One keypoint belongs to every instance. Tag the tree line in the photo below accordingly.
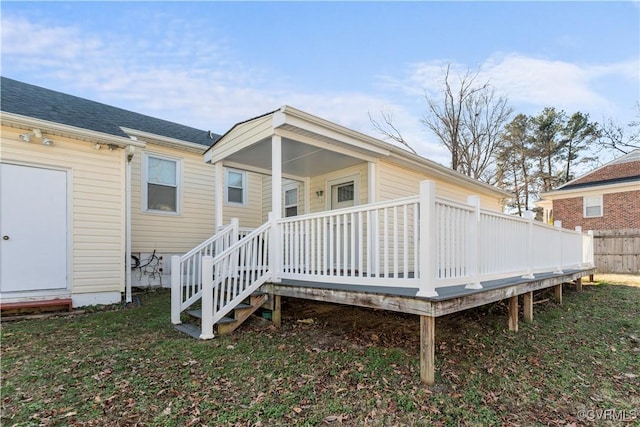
(522, 154)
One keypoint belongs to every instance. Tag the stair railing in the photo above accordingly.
(233, 275)
(186, 270)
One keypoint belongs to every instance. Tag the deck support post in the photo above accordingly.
(276, 313)
(528, 306)
(579, 284)
(427, 349)
(557, 293)
(513, 313)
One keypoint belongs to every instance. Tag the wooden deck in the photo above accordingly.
(450, 299)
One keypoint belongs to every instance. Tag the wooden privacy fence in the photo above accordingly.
(617, 251)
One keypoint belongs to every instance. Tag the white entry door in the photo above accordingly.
(33, 229)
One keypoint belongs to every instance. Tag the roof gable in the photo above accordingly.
(623, 169)
(45, 104)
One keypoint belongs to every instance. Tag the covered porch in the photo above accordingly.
(419, 252)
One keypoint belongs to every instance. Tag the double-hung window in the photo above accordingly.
(236, 191)
(592, 206)
(291, 202)
(161, 192)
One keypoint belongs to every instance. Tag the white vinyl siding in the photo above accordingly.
(249, 214)
(592, 206)
(97, 205)
(195, 222)
(395, 182)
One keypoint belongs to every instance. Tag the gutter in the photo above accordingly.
(165, 141)
(68, 131)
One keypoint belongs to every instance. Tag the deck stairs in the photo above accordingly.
(217, 284)
(228, 323)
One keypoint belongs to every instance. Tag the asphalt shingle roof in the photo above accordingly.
(45, 104)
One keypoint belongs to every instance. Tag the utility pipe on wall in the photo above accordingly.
(130, 150)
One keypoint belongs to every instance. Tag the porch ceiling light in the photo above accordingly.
(46, 141)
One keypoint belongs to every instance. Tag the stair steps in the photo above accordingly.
(226, 325)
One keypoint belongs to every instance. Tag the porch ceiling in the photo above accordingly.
(298, 158)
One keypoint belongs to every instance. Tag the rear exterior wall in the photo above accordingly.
(620, 211)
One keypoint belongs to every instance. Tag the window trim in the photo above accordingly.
(145, 184)
(585, 206)
(243, 188)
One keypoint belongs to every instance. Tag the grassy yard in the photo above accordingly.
(330, 365)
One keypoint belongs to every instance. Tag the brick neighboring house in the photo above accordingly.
(607, 201)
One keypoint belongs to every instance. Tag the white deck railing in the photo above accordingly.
(370, 244)
(422, 242)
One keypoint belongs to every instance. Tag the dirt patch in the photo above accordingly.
(622, 279)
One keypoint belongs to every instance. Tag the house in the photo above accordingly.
(94, 198)
(342, 217)
(70, 167)
(604, 200)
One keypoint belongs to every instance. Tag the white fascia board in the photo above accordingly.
(619, 187)
(165, 141)
(293, 117)
(54, 128)
(238, 140)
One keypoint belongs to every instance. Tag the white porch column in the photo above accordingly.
(307, 195)
(276, 206)
(372, 183)
(219, 194)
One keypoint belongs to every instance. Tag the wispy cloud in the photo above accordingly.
(171, 71)
(529, 82)
(179, 77)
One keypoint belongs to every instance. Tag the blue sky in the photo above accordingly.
(212, 64)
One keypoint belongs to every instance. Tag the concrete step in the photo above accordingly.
(189, 329)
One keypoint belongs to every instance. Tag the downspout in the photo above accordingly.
(130, 152)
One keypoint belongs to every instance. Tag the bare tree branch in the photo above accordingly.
(389, 130)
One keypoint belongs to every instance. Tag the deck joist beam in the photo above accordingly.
(386, 299)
